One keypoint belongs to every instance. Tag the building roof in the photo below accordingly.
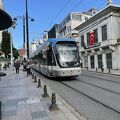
(5, 20)
(98, 15)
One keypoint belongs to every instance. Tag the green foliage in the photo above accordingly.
(15, 53)
(5, 44)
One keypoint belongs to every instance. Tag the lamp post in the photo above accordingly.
(27, 36)
(23, 31)
(11, 47)
(27, 33)
(23, 19)
(11, 41)
(27, 29)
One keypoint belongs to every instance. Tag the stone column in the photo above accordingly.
(118, 57)
(89, 65)
(104, 61)
(115, 60)
(96, 61)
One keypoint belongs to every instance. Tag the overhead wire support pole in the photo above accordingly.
(27, 33)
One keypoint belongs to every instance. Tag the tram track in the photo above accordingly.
(90, 97)
(101, 78)
(100, 87)
(102, 109)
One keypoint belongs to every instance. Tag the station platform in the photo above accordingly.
(22, 100)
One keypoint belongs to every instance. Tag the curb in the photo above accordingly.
(103, 72)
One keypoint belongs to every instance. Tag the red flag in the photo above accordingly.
(92, 37)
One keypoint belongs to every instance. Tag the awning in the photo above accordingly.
(5, 20)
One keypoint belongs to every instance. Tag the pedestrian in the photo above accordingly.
(5, 66)
(28, 68)
(24, 65)
(17, 66)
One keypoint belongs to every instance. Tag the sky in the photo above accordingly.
(46, 13)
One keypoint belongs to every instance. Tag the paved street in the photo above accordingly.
(95, 95)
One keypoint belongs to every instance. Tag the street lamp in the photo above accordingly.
(23, 19)
(11, 41)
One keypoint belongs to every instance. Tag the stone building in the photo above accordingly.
(100, 39)
(67, 25)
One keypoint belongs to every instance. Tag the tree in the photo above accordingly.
(15, 53)
(5, 44)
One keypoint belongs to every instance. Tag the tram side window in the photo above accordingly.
(50, 57)
(44, 58)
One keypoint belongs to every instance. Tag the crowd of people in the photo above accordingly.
(16, 66)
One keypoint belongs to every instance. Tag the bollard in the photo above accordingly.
(35, 79)
(45, 91)
(102, 69)
(96, 69)
(39, 83)
(32, 75)
(109, 70)
(0, 110)
(87, 68)
(53, 103)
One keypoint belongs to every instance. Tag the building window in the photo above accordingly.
(88, 38)
(95, 35)
(69, 29)
(104, 32)
(82, 40)
(109, 60)
(76, 17)
(100, 61)
(92, 61)
(86, 18)
(68, 18)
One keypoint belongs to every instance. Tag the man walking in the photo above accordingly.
(17, 66)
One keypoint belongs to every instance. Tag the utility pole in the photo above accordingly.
(27, 33)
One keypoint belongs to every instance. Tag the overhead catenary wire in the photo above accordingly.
(60, 11)
(76, 5)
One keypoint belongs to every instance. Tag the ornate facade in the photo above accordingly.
(102, 49)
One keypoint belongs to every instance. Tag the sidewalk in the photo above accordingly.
(22, 100)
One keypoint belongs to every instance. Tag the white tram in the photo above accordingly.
(57, 57)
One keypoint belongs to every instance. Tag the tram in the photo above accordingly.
(57, 57)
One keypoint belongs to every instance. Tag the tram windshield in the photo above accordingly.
(68, 55)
